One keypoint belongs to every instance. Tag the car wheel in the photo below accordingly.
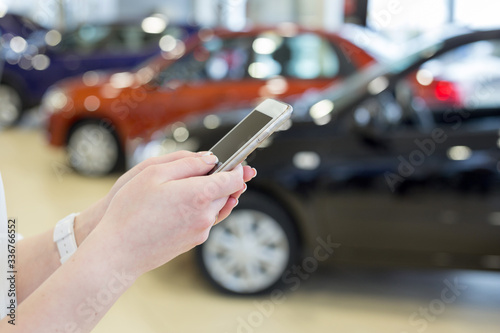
(249, 251)
(93, 149)
(11, 106)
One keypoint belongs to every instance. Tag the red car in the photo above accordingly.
(467, 76)
(96, 114)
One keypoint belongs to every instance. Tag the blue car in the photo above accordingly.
(18, 25)
(35, 58)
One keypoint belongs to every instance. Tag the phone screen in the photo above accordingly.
(239, 135)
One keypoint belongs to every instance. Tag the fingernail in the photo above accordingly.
(255, 172)
(237, 202)
(210, 158)
(244, 188)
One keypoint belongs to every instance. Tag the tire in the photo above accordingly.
(248, 253)
(93, 149)
(11, 106)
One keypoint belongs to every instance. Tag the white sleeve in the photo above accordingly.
(5, 300)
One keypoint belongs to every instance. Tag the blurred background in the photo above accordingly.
(377, 208)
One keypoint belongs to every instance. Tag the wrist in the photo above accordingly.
(87, 220)
(118, 255)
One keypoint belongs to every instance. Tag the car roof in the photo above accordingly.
(285, 29)
(356, 86)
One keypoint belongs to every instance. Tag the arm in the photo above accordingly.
(78, 294)
(162, 212)
(39, 257)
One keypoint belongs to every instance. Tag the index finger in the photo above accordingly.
(172, 157)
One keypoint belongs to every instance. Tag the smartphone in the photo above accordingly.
(249, 133)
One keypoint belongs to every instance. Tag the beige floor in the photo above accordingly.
(40, 189)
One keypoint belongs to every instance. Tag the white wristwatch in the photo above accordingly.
(64, 237)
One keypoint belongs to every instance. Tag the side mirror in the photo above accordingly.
(155, 82)
(370, 122)
(169, 85)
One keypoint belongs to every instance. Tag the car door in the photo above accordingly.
(400, 185)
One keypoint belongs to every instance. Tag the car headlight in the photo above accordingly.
(55, 100)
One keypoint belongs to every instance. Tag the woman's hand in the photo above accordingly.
(89, 218)
(166, 209)
(156, 211)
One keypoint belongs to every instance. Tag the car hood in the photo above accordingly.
(77, 82)
(95, 80)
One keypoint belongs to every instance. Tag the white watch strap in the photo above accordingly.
(64, 237)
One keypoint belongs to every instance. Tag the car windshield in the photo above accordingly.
(381, 48)
(179, 33)
(417, 49)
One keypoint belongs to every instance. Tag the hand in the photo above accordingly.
(167, 209)
(89, 218)
(157, 210)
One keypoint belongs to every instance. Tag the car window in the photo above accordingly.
(467, 77)
(228, 59)
(191, 67)
(304, 56)
(311, 57)
(85, 40)
(214, 60)
(111, 39)
(132, 39)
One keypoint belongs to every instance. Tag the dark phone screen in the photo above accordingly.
(239, 135)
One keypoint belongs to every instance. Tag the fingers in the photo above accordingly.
(216, 194)
(215, 186)
(150, 162)
(227, 209)
(223, 184)
(207, 193)
(228, 203)
(249, 173)
(191, 166)
(163, 159)
(185, 164)
(215, 208)
(232, 201)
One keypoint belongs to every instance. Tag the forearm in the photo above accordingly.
(38, 255)
(78, 294)
(38, 258)
(75, 296)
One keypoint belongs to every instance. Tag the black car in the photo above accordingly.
(368, 172)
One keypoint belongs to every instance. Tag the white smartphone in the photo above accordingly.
(249, 133)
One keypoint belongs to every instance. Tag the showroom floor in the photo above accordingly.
(40, 189)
